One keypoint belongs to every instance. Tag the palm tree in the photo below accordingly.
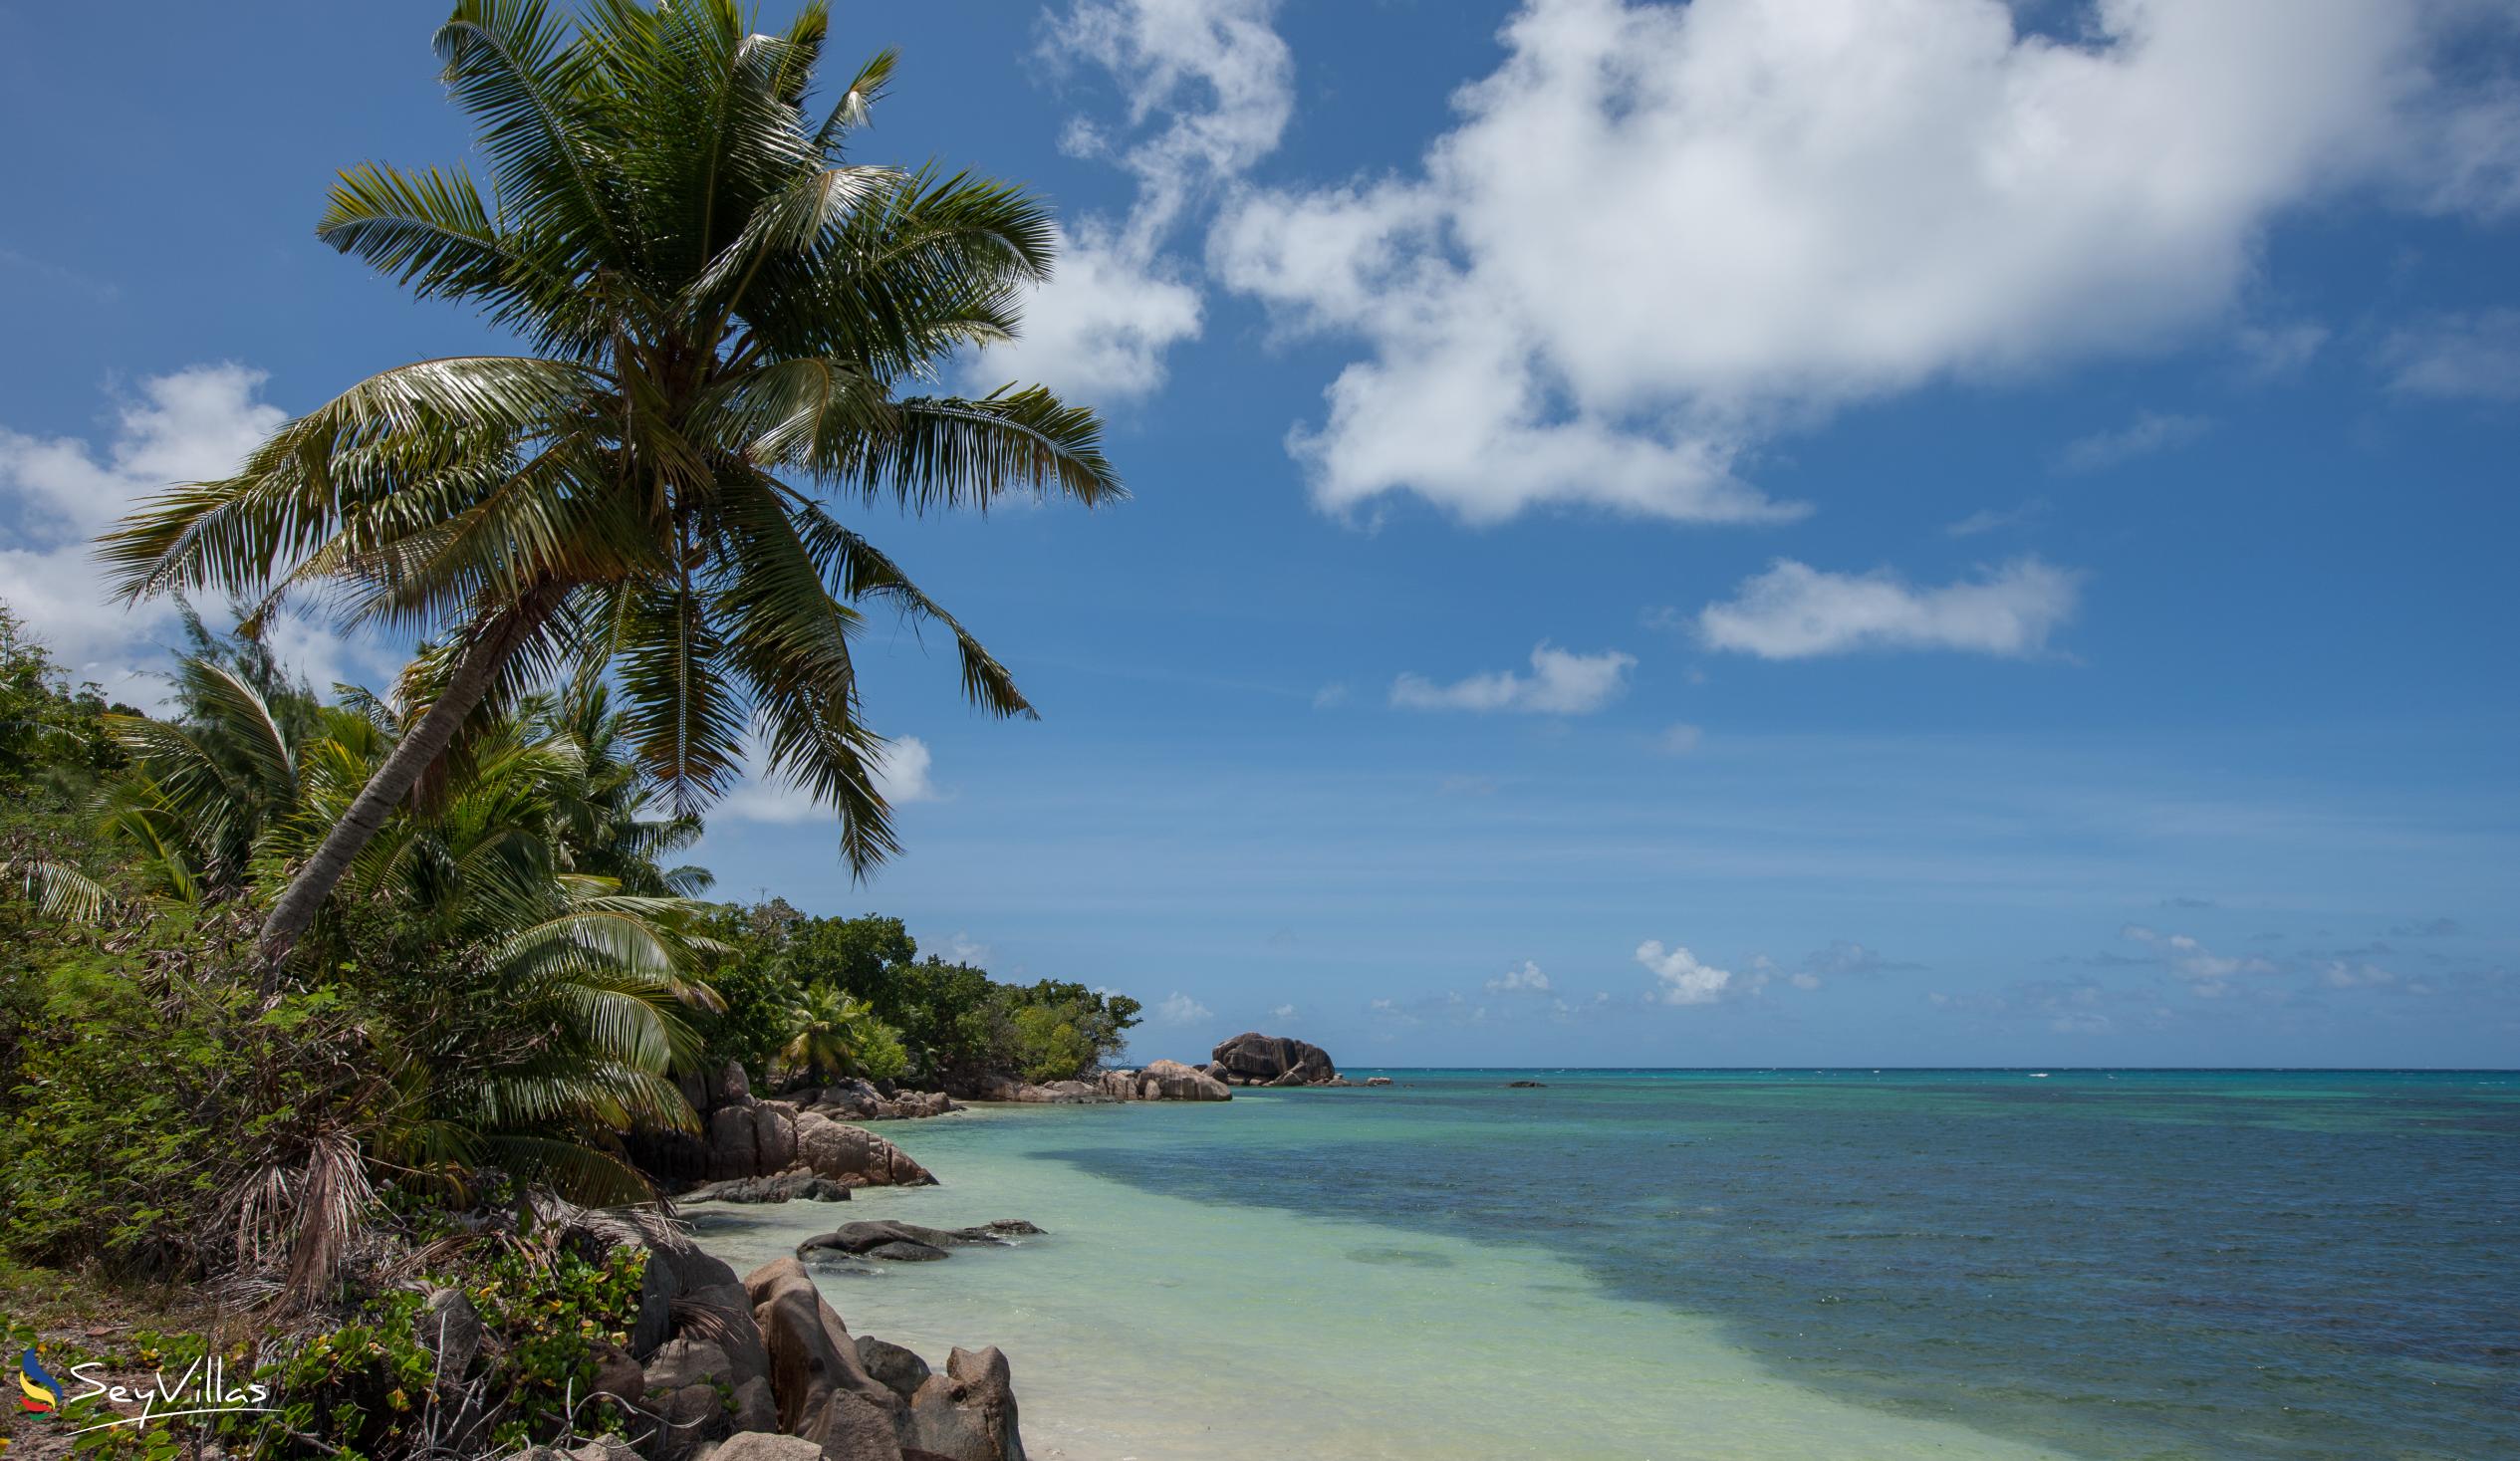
(505, 1004)
(828, 1031)
(725, 316)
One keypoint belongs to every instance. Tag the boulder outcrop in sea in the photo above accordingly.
(1253, 1059)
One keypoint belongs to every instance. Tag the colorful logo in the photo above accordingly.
(42, 1393)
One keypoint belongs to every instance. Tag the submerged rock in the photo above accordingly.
(1526, 1085)
(903, 1242)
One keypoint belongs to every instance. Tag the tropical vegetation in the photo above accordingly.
(310, 995)
(727, 323)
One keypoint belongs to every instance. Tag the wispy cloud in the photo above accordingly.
(2454, 356)
(1989, 519)
(2148, 435)
(1181, 1009)
(1209, 88)
(1794, 612)
(1561, 682)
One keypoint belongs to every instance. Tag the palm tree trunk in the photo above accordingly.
(492, 640)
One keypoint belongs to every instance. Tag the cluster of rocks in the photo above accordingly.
(1246, 1060)
(757, 1369)
(743, 1138)
(896, 1242)
(869, 1101)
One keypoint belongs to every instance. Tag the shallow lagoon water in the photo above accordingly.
(1737, 1265)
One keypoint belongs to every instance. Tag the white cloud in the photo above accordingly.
(1100, 328)
(2342, 975)
(1209, 88)
(1526, 980)
(1989, 518)
(1793, 611)
(1661, 235)
(2207, 972)
(2150, 432)
(1561, 682)
(963, 949)
(1181, 1009)
(193, 424)
(1679, 739)
(2457, 357)
(2272, 351)
(1282, 1012)
(1681, 979)
(903, 775)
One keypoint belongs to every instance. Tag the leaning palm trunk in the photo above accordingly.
(727, 315)
(485, 652)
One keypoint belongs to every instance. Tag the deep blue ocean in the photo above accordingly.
(2113, 1264)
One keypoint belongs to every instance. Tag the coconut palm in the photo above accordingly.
(726, 318)
(495, 1002)
(830, 1031)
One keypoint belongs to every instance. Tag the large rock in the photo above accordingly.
(854, 1154)
(1173, 1081)
(812, 1356)
(968, 1412)
(855, 1427)
(1270, 1060)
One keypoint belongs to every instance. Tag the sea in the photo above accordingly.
(1745, 1265)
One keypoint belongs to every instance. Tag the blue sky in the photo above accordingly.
(1735, 534)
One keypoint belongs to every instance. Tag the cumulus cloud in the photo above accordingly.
(190, 426)
(1680, 739)
(1208, 87)
(1561, 682)
(1282, 1012)
(2473, 357)
(1794, 612)
(1659, 235)
(903, 773)
(1679, 977)
(1181, 1009)
(2149, 433)
(1526, 980)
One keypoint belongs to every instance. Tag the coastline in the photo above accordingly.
(1136, 1325)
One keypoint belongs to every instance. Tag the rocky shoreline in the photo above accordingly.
(761, 1368)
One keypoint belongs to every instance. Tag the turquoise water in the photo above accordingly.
(1736, 1264)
